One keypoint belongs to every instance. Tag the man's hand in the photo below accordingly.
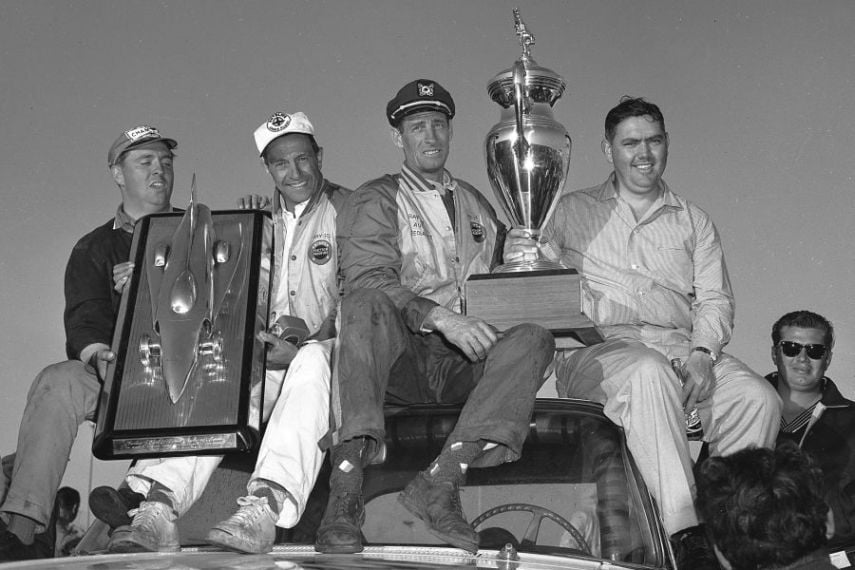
(122, 275)
(254, 202)
(99, 361)
(519, 246)
(280, 352)
(700, 380)
(472, 335)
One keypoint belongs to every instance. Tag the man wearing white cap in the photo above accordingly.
(296, 395)
(65, 394)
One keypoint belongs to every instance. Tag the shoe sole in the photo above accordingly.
(416, 509)
(339, 549)
(221, 540)
(109, 507)
(128, 547)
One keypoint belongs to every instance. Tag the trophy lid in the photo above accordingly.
(542, 84)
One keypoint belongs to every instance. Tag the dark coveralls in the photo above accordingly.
(384, 353)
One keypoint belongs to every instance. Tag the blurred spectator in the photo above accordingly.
(67, 534)
(764, 509)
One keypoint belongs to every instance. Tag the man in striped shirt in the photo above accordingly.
(655, 283)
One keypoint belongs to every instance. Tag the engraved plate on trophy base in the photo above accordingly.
(187, 358)
(550, 299)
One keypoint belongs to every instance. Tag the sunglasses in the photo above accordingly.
(791, 349)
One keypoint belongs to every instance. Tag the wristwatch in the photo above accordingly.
(706, 351)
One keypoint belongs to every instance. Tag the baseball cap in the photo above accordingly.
(419, 95)
(135, 137)
(280, 124)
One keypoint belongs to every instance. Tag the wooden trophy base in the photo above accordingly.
(551, 299)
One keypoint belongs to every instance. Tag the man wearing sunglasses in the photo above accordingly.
(815, 415)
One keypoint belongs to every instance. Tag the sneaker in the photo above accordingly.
(340, 530)
(12, 549)
(693, 551)
(152, 529)
(437, 503)
(252, 529)
(112, 505)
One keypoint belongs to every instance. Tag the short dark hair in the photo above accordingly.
(631, 107)
(764, 508)
(311, 138)
(68, 497)
(806, 320)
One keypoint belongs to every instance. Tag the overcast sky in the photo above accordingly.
(757, 97)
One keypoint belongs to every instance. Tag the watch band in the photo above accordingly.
(706, 351)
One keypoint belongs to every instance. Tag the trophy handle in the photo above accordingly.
(521, 147)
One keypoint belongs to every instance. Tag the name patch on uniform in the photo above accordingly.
(478, 233)
(417, 227)
(321, 251)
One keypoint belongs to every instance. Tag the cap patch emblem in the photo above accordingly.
(278, 121)
(425, 89)
(477, 231)
(321, 251)
(142, 132)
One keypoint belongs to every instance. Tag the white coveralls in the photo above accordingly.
(297, 401)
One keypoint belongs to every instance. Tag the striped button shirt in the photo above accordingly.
(660, 279)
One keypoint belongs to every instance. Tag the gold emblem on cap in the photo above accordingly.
(278, 121)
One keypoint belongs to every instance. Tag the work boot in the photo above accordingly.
(693, 551)
(437, 503)
(112, 505)
(340, 530)
(152, 529)
(252, 529)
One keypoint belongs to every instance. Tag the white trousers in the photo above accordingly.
(298, 410)
(641, 393)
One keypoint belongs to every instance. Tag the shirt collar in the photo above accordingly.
(279, 203)
(666, 198)
(123, 221)
(419, 184)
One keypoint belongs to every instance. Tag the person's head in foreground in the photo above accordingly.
(764, 508)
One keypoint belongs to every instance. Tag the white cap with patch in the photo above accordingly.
(280, 124)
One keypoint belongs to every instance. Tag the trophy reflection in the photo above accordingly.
(528, 158)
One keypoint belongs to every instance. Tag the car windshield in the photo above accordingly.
(574, 491)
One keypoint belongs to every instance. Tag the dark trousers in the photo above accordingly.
(381, 361)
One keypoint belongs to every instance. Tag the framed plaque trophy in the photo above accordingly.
(188, 361)
(528, 158)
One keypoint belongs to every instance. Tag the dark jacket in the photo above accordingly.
(830, 439)
(91, 303)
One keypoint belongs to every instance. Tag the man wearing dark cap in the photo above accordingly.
(63, 395)
(407, 243)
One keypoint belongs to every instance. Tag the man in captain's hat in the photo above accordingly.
(408, 241)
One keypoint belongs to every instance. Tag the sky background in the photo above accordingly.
(757, 97)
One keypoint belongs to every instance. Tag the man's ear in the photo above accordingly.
(118, 175)
(775, 355)
(320, 157)
(264, 164)
(396, 137)
(607, 150)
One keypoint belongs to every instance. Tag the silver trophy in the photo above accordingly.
(528, 156)
(528, 151)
